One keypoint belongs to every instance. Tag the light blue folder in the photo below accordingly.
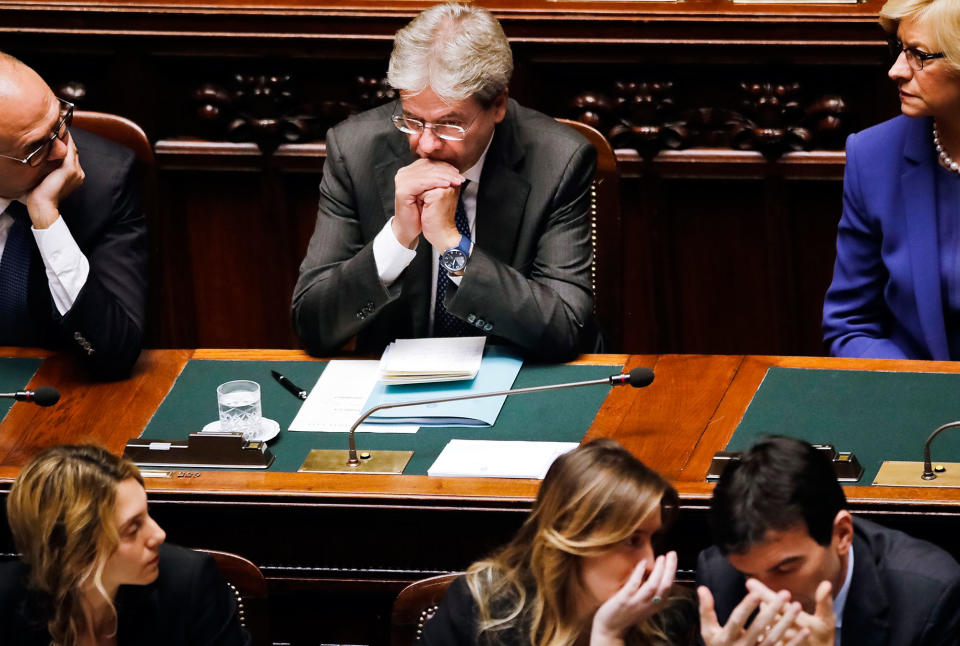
(497, 371)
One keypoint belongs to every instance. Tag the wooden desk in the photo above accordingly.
(336, 548)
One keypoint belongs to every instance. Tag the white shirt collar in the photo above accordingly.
(840, 600)
(4, 203)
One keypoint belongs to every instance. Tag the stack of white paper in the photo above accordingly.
(498, 459)
(337, 400)
(420, 361)
(498, 370)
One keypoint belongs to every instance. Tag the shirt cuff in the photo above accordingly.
(390, 256)
(67, 268)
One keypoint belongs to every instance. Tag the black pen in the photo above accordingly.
(289, 385)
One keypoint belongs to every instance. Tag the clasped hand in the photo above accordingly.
(425, 201)
(778, 621)
(634, 602)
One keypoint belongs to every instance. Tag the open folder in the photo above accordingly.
(497, 371)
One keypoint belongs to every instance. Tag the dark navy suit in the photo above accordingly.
(903, 592)
(105, 324)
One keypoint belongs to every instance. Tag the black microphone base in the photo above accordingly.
(332, 461)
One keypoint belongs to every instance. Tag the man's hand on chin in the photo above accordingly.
(410, 185)
(43, 202)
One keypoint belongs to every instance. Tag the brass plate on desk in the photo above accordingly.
(385, 462)
(907, 474)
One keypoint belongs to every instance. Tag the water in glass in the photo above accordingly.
(239, 403)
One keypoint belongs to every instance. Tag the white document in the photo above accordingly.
(338, 399)
(498, 459)
(420, 361)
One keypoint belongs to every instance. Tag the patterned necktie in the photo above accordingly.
(15, 324)
(445, 323)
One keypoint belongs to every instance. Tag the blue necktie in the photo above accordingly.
(445, 323)
(15, 326)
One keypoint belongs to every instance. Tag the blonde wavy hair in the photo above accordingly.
(941, 16)
(457, 50)
(591, 499)
(61, 511)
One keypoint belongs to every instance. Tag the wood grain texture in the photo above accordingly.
(675, 425)
(332, 577)
(695, 221)
(106, 413)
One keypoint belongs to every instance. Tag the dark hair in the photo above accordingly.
(778, 483)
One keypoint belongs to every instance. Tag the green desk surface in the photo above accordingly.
(15, 373)
(560, 416)
(877, 415)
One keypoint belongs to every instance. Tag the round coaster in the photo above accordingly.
(269, 429)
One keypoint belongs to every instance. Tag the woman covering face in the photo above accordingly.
(582, 568)
(94, 568)
(896, 284)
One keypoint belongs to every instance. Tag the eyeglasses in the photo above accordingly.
(40, 155)
(915, 57)
(447, 131)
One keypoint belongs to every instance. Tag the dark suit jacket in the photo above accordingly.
(528, 276)
(885, 299)
(903, 592)
(455, 622)
(188, 605)
(105, 324)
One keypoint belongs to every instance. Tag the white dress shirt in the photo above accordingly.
(67, 268)
(392, 257)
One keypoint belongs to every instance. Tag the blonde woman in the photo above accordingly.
(896, 284)
(582, 567)
(94, 570)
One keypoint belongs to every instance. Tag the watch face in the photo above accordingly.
(453, 260)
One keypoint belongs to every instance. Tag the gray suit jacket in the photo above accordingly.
(528, 278)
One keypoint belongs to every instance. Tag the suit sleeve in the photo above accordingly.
(214, 619)
(943, 625)
(338, 289)
(546, 309)
(856, 319)
(105, 324)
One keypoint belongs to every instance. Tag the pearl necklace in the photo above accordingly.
(945, 159)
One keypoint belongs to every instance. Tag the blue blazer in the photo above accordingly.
(885, 299)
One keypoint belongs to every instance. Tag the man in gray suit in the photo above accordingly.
(453, 211)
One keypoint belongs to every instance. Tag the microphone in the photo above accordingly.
(928, 470)
(42, 396)
(638, 378)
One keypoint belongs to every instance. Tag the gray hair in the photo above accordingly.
(457, 50)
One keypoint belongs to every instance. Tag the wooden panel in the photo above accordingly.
(332, 572)
(108, 413)
(667, 418)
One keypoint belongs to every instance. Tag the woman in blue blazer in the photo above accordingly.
(896, 284)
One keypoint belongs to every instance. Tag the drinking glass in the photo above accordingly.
(239, 403)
